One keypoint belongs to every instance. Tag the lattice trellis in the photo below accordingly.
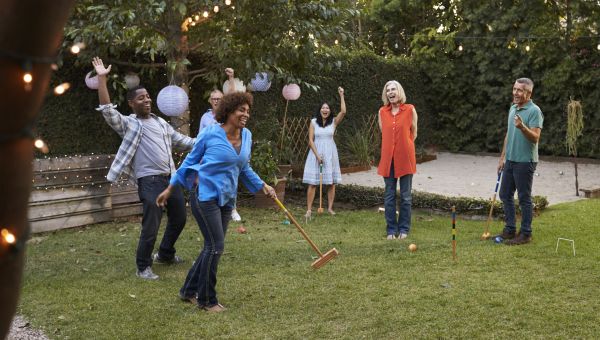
(297, 134)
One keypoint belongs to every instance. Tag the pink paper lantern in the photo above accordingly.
(91, 82)
(291, 92)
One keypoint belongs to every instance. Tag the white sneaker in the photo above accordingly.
(402, 236)
(391, 237)
(235, 216)
(147, 274)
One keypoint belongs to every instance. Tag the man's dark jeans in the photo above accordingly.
(202, 277)
(149, 188)
(517, 176)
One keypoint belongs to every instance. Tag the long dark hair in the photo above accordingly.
(320, 118)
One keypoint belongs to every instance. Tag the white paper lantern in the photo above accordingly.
(172, 101)
(132, 80)
(291, 92)
(260, 82)
(91, 82)
(239, 86)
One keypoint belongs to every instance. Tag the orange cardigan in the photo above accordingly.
(397, 142)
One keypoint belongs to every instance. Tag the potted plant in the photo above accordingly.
(265, 165)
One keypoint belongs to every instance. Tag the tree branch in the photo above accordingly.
(132, 64)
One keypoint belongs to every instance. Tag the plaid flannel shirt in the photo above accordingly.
(130, 129)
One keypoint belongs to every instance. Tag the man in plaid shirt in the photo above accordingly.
(146, 153)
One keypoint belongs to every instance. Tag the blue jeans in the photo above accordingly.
(149, 187)
(400, 224)
(517, 176)
(202, 277)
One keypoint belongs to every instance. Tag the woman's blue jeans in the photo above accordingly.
(397, 224)
(202, 277)
(517, 176)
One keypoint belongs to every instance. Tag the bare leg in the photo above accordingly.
(331, 198)
(310, 197)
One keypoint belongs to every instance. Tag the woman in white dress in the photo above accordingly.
(323, 150)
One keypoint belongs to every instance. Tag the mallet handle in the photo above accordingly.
(289, 215)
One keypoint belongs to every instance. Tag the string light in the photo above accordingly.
(598, 47)
(336, 41)
(460, 48)
(8, 236)
(527, 48)
(62, 88)
(27, 77)
(77, 47)
(227, 2)
(205, 14)
(41, 145)
(216, 9)
(197, 17)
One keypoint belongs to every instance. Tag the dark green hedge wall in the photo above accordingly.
(71, 125)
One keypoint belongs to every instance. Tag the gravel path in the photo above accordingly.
(475, 176)
(21, 330)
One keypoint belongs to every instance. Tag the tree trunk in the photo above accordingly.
(179, 75)
(27, 29)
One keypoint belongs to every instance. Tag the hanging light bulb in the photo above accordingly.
(598, 47)
(8, 236)
(27, 77)
(216, 9)
(527, 48)
(336, 41)
(227, 2)
(197, 17)
(41, 145)
(62, 88)
(205, 14)
(460, 48)
(77, 47)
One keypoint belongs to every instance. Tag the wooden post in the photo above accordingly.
(30, 34)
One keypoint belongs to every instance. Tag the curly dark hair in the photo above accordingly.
(230, 102)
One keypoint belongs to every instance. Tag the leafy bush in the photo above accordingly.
(263, 162)
(357, 147)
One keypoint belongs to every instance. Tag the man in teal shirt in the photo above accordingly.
(518, 161)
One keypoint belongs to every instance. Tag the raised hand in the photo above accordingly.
(341, 91)
(99, 67)
(229, 72)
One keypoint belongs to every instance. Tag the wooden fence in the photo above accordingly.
(73, 191)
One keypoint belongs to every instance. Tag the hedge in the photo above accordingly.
(362, 197)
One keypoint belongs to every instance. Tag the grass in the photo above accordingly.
(80, 283)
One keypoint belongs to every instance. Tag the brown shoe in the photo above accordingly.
(505, 235)
(520, 239)
(191, 299)
(218, 308)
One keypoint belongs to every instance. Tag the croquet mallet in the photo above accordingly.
(320, 210)
(486, 234)
(323, 258)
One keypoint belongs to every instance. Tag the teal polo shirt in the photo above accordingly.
(518, 147)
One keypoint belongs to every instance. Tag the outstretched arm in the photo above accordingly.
(103, 96)
(231, 78)
(340, 116)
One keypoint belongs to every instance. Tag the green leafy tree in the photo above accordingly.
(188, 39)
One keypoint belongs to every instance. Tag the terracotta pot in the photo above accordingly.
(263, 201)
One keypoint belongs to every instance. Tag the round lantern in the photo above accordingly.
(291, 92)
(132, 80)
(260, 82)
(239, 86)
(91, 82)
(172, 101)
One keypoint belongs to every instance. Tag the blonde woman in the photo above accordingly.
(398, 125)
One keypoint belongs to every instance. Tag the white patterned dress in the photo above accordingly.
(329, 154)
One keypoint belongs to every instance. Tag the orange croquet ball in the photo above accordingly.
(412, 247)
(241, 229)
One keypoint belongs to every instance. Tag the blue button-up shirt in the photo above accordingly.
(218, 166)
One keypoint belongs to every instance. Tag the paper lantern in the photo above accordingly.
(239, 86)
(91, 82)
(291, 92)
(132, 80)
(260, 82)
(172, 101)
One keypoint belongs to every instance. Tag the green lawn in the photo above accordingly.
(80, 283)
